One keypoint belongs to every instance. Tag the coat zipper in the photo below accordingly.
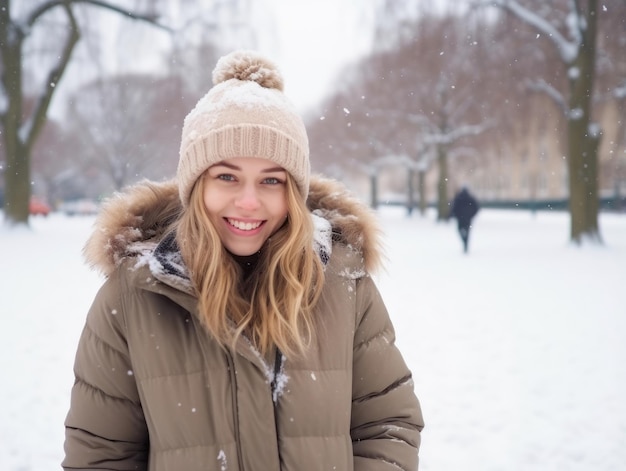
(277, 364)
(277, 361)
(233, 390)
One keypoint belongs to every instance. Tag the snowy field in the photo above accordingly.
(517, 348)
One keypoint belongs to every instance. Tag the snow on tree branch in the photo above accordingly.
(457, 133)
(544, 87)
(575, 22)
(620, 91)
(568, 49)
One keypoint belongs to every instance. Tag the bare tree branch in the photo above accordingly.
(458, 133)
(556, 96)
(32, 127)
(47, 6)
(38, 119)
(567, 49)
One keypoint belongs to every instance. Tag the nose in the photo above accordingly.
(247, 198)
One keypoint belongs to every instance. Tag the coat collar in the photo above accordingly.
(133, 224)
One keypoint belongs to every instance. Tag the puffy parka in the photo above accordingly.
(154, 391)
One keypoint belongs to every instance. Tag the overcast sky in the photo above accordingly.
(309, 41)
(314, 39)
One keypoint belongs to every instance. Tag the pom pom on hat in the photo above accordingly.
(243, 65)
(245, 114)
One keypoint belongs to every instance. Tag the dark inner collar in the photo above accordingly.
(247, 262)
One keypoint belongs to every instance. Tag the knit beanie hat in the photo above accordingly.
(245, 114)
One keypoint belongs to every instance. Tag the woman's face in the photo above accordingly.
(246, 200)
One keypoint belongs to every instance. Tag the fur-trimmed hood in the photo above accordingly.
(135, 220)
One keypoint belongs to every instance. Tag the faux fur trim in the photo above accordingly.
(140, 213)
(353, 222)
(143, 212)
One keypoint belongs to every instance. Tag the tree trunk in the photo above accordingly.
(442, 186)
(17, 171)
(422, 191)
(583, 140)
(374, 191)
(411, 191)
(17, 184)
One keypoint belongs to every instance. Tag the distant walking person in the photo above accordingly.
(464, 208)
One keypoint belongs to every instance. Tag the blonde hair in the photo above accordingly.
(274, 305)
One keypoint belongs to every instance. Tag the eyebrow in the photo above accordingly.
(235, 167)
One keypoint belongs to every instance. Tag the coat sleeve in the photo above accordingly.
(386, 415)
(105, 428)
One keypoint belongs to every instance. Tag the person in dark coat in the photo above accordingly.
(464, 207)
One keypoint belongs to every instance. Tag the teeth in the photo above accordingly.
(244, 226)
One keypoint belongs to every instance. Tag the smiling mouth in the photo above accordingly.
(244, 226)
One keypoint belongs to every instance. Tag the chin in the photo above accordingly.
(244, 251)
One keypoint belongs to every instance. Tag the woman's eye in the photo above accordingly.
(272, 181)
(226, 177)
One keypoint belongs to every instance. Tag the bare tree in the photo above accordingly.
(409, 104)
(129, 126)
(56, 171)
(20, 130)
(449, 99)
(571, 28)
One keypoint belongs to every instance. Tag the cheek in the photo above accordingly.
(211, 202)
(282, 210)
(277, 212)
(206, 200)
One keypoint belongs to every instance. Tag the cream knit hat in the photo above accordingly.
(245, 114)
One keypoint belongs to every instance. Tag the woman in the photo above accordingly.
(238, 327)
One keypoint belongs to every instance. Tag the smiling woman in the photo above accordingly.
(238, 326)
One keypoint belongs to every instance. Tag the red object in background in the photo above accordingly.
(38, 207)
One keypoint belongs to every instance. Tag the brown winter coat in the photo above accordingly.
(154, 392)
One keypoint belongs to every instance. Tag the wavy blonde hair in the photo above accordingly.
(274, 305)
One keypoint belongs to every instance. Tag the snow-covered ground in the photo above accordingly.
(516, 347)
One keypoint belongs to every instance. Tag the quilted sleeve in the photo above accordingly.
(386, 415)
(105, 428)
